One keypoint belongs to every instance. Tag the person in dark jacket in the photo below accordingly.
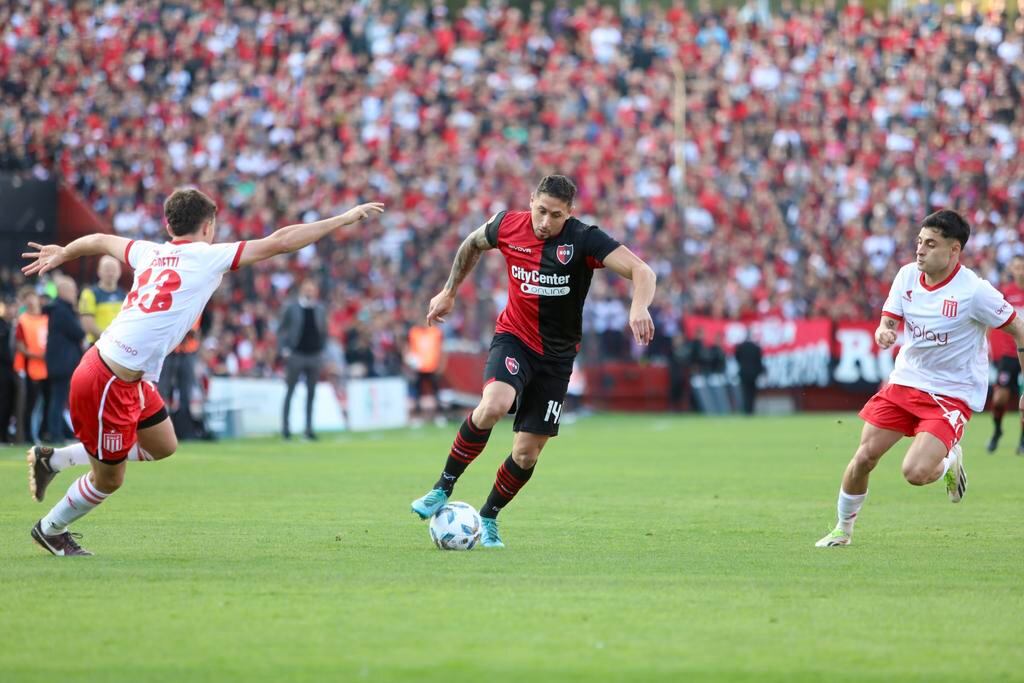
(8, 378)
(302, 337)
(751, 366)
(63, 352)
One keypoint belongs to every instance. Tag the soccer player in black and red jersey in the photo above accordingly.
(1004, 354)
(551, 257)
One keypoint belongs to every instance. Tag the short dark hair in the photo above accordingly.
(950, 224)
(187, 210)
(559, 187)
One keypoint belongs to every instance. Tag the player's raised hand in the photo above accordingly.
(361, 212)
(45, 258)
(885, 337)
(440, 306)
(642, 325)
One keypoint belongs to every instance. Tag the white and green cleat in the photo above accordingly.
(835, 538)
(956, 476)
(426, 506)
(490, 537)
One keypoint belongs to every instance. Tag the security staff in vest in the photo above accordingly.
(302, 336)
(177, 382)
(99, 303)
(30, 364)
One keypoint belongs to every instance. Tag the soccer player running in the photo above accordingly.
(116, 411)
(1004, 354)
(550, 257)
(941, 372)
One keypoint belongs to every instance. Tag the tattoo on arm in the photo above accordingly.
(889, 323)
(466, 258)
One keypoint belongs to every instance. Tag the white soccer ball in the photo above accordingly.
(456, 526)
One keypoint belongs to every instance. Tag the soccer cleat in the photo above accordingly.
(993, 443)
(956, 476)
(63, 545)
(490, 538)
(835, 538)
(39, 472)
(426, 506)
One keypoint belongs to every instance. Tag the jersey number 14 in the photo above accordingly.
(156, 295)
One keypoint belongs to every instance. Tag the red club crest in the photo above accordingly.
(512, 365)
(949, 308)
(564, 253)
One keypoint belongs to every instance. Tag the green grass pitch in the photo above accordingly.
(646, 548)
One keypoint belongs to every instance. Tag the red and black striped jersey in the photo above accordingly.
(548, 280)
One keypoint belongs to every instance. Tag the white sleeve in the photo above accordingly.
(138, 251)
(225, 256)
(989, 307)
(893, 305)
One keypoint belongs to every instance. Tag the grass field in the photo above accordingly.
(648, 548)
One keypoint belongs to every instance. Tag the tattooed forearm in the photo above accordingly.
(889, 323)
(465, 260)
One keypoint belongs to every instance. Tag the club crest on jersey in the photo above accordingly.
(564, 253)
(112, 441)
(908, 295)
(512, 365)
(949, 308)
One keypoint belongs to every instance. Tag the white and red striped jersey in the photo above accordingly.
(173, 282)
(945, 350)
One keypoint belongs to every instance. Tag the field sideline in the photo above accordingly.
(646, 548)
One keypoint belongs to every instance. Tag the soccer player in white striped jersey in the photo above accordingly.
(941, 372)
(116, 411)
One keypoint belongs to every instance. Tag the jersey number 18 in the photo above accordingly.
(156, 295)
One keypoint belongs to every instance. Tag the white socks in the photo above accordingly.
(848, 507)
(75, 454)
(81, 498)
(69, 456)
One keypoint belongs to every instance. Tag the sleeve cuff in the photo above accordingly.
(127, 248)
(238, 256)
(1008, 320)
(899, 318)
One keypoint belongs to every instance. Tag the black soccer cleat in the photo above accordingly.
(40, 474)
(993, 443)
(62, 545)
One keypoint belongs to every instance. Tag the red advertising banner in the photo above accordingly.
(796, 352)
(858, 358)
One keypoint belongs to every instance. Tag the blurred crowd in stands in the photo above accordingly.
(815, 139)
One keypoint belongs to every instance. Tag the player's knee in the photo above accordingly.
(108, 482)
(867, 457)
(917, 475)
(490, 411)
(526, 459)
(165, 450)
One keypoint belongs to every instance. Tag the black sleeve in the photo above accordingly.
(491, 229)
(75, 329)
(598, 244)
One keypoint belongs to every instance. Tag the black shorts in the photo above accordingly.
(1007, 370)
(540, 383)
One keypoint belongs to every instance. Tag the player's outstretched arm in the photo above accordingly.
(629, 265)
(465, 260)
(1016, 330)
(294, 237)
(46, 258)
